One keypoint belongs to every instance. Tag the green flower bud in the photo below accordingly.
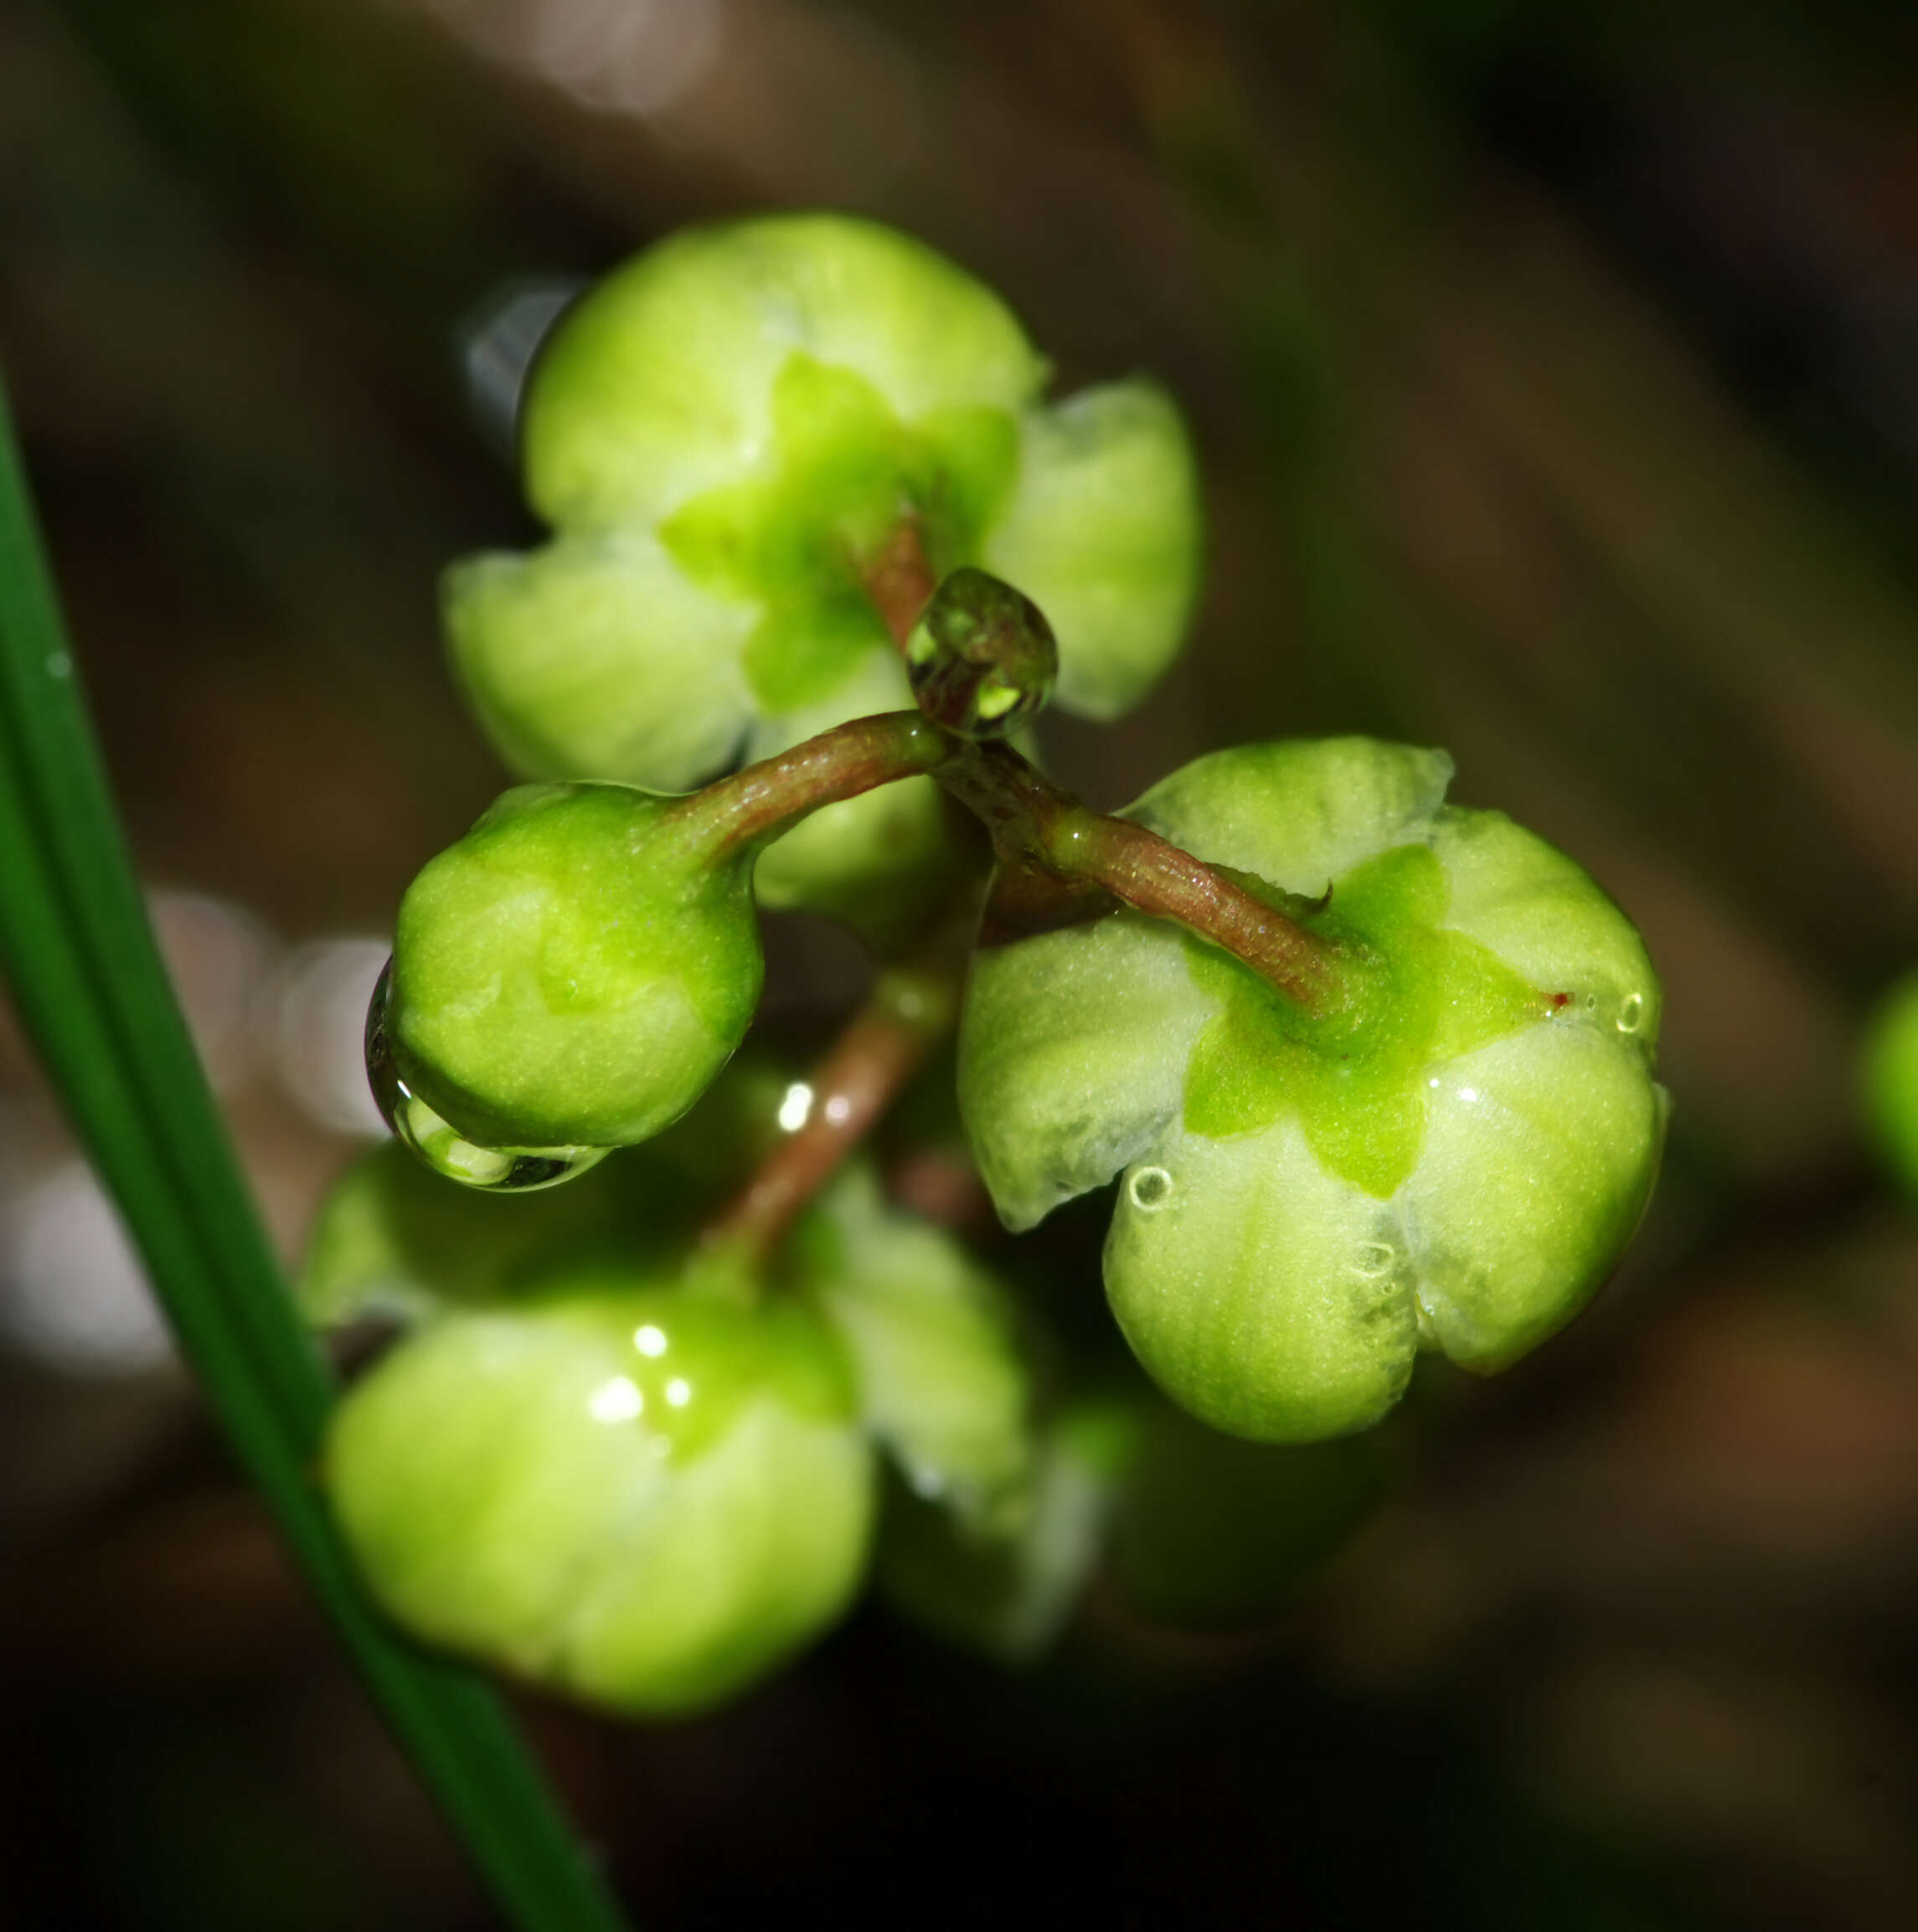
(1457, 1158)
(1889, 1070)
(640, 1495)
(571, 975)
(729, 436)
(1007, 1590)
(943, 1382)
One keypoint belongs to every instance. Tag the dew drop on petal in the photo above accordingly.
(1631, 1013)
(441, 1145)
(1150, 1188)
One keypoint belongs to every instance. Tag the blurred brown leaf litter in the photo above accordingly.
(1556, 373)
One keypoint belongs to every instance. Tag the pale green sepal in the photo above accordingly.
(658, 384)
(1299, 812)
(1008, 1596)
(1539, 1156)
(1103, 533)
(943, 1384)
(1267, 1297)
(597, 657)
(1546, 918)
(1072, 1052)
(877, 861)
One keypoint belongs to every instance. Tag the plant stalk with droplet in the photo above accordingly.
(982, 658)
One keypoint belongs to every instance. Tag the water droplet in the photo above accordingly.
(441, 1145)
(982, 656)
(1150, 1188)
(1631, 1013)
(1375, 1259)
(1592, 1002)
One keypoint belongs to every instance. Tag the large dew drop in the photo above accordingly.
(441, 1145)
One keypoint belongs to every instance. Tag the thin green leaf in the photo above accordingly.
(91, 992)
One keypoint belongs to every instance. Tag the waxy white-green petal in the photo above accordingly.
(943, 1382)
(1103, 533)
(1539, 1154)
(1301, 811)
(1007, 1595)
(521, 1485)
(1268, 1297)
(658, 384)
(757, 1547)
(597, 657)
(1072, 1057)
(1547, 919)
(474, 1494)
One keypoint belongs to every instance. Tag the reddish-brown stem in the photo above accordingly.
(907, 1010)
(759, 802)
(1034, 823)
(1058, 857)
(1036, 826)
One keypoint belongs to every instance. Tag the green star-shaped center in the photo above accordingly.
(1359, 1080)
(843, 472)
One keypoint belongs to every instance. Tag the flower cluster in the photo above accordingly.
(1373, 1073)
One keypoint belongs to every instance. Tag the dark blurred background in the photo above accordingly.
(1556, 373)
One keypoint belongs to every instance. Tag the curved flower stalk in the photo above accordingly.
(1453, 1157)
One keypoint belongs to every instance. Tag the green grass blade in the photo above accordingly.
(92, 993)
